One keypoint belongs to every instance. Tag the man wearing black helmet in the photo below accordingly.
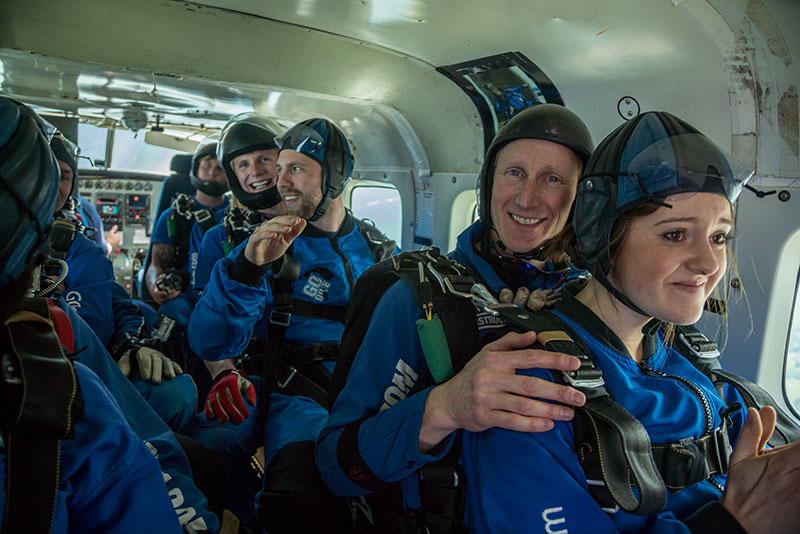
(289, 284)
(179, 231)
(391, 418)
(248, 154)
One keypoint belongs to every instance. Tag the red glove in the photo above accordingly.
(226, 399)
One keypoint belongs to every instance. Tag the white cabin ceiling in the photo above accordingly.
(728, 66)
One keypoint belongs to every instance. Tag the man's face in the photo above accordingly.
(64, 185)
(299, 183)
(256, 170)
(208, 170)
(533, 186)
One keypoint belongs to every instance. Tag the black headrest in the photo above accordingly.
(181, 163)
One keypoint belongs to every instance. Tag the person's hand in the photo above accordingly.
(113, 238)
(162, 296)
(271, 239)
(489, 393)
(533, 300)
(226, 400)
(152, 365)
(763, 487)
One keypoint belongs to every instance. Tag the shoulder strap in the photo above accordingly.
(703, 353)
(41, 405)
(179, 226)
(64, 232)
(381, 246)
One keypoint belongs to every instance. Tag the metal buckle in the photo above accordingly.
(280, 318)
(292, 373)
(696, 348)
(719, 441)
(202, 216)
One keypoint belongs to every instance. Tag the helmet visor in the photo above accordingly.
(680, 164)
(305, 140)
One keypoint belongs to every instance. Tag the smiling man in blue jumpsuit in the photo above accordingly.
(289, 284)
(392, 418)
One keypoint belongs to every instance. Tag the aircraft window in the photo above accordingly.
(382, 205)
(792, 372)
(132, 153)
(465, 212)
(92, 140)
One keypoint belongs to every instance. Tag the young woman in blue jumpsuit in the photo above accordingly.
(108, 479)
(390, 413)
(652, 222)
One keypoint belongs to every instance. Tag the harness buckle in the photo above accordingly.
(699, 345)
(589, 377)
(202, 216)
(280, 318)
(722, 449)
(292, 373)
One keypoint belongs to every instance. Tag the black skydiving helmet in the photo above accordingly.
(549, 122)
(244, 133)
(207, 147)
(68, 152)
(325, 143)
(647, 159)
(29, 180)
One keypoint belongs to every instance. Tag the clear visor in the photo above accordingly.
(50, 131)
(304, 140)
(73, 150)
(680, 164)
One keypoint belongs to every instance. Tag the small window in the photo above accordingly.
(792, 372)
(133, 154)
(381, 204)
(92, 141)
(464, 213)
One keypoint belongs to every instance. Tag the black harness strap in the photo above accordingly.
(42, 403)
(703, 354)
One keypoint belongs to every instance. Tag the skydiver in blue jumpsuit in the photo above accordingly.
(209, 180)
(314, 163)
(652, 222)
(391, 419)
(248, 153)
(108, 480)
(91, 290)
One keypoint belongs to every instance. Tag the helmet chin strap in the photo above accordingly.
(651, 327)
(534, 254)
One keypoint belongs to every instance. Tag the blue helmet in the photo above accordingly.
(325, 143)
(29, 179)
(647, 159)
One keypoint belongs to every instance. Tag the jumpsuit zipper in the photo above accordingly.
(649, 371)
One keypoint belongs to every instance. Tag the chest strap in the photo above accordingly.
(41, 405)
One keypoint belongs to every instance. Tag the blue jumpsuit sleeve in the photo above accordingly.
(116, 482)
(384, 398)
(210, 252)
(88, 286)
(223, 320)
(188, 502)
(161, 230)
(128, 319)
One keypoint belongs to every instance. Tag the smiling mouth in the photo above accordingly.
(290, 197)
(259, 186)
(525, 221)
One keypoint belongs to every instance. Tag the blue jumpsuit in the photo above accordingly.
(229, 312)
(389, 382)
(386, 393)
(181, 306)
(92, 292)
(534, 481)
(211, 251)
(108, 479)
(189, 503)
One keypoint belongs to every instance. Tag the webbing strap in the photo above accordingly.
(620, 441)
(40, 386)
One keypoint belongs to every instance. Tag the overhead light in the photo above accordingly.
(134, 119)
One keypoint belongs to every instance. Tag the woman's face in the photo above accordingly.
(672, 259)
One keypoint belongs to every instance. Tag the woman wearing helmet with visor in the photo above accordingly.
(652, 223)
